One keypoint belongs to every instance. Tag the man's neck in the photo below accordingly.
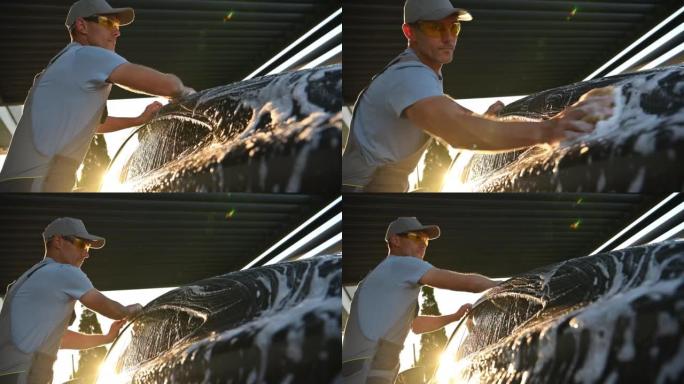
(79, 40)
(55, 257)
(435, 66)
(395, 254)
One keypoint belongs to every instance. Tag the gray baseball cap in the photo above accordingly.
(68, 226)
(416, 10)
(411, 224)
(85, 8)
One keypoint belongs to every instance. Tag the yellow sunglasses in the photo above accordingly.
(435, 29)
(104, 21)
(417, 237)
(78, 242)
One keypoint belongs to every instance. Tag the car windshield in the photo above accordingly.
(146, 338)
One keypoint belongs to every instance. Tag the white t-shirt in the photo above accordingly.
(388, 291)
(381, 133)
(62, 112)
(384, 305)
(43, 301)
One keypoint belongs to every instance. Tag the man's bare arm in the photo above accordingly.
(141, 79)
(455, 281)
(113, 124)
(75, 340)
(424, 324)
(444, 118)
(105, 306)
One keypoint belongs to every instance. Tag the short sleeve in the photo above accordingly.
(409, 270)
(74, 282)
(95, 64)
(410, 85)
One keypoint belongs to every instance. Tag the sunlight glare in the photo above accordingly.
(454, 181)
(449, 371)
(108, 374)
(111, 183)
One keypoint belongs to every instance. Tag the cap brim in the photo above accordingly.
(96, 242)
(463, 15)
(126, 15)
(431, 230)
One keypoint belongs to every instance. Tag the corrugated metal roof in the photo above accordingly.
(512, 47)
(205, 42)
(494, 234)
(153, 240)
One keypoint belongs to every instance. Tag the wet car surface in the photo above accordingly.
(278, 133)
(639, 149)
(273, 324)
(615, 317)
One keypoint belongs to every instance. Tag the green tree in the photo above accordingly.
(431, 344)
(94, 165)
(437, 163)
(89, 360)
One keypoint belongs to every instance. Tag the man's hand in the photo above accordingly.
(150, 112)
(581, 118)
(494, 109)
(132, 310)
(470, 323)
(187, 91)
(465, 308)
(114, 330)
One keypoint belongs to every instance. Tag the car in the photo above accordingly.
(615, 317)
(274, 324)
(277, 133)
(639, 149)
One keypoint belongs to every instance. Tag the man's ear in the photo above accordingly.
(59, 241)
(393, 240)
(408, 32)
(80, 26)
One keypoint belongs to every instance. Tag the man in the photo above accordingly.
(38, 306)
(405, 106)
(66, 105)
(385, 305)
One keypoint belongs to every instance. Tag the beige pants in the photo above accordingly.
(61, 176)
(382, 368)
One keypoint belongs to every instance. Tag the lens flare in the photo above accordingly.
(576, 224)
